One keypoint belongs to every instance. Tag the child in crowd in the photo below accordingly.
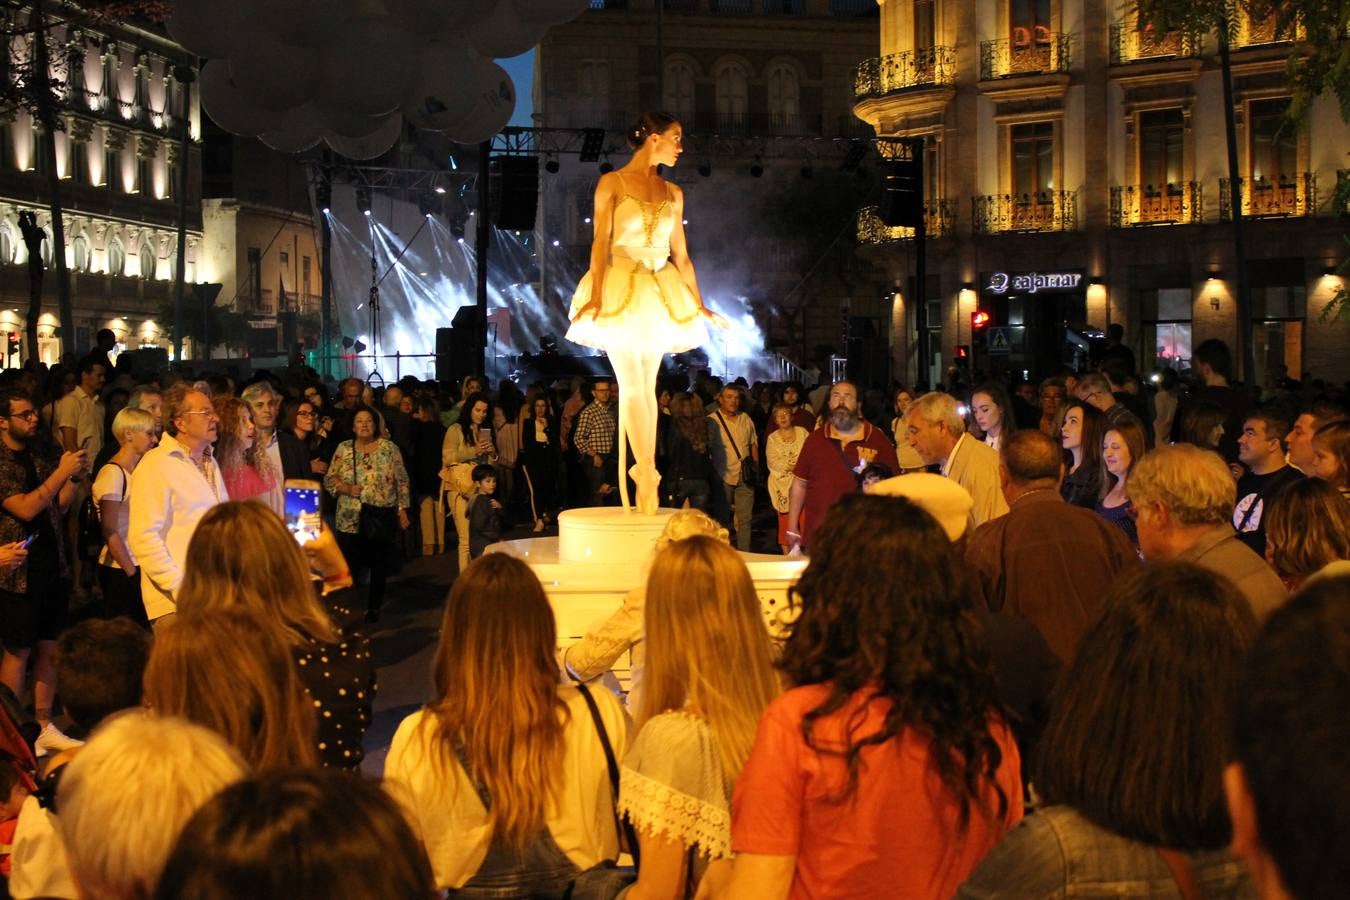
(485, 510)
(872, 474)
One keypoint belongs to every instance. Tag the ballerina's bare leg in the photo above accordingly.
(638, 412)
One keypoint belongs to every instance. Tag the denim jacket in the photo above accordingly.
(1057, 853)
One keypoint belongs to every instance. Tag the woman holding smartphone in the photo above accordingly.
(468, 442)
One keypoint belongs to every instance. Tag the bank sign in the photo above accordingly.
(1001, 283)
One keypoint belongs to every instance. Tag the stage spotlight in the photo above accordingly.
(592, 143)
(363, 198)
(323, 195)
(427, 204)
(440, 189)
(359, 348)
(606, 166)
(457, 227)
(756, 168)
(347, 342)
(551, 166)
(705, 169)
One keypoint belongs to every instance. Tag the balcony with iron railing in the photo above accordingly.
(1131, 43)
(1043, 211)
(927, 67)
(1169, 204)
(1265, 32)
(939, 219)
(259, 304)
(1037, 52)
(1290, 196)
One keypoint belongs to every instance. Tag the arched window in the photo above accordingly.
(48, 259)
(79, 251)
(147, 259)
(117, 257)
(733, 97)
(785, 98)
(6, 245)
(678, 98)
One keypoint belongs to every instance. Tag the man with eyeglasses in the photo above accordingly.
(176, 484)
(36, 488)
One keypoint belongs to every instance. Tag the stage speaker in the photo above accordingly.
(901, 192)
(444, 337)
(514, 182)
(457, 346)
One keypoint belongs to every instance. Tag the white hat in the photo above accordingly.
(941, 498)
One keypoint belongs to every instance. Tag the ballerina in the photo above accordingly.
(640, 299)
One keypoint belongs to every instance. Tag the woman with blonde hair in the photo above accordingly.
(504, 774)
(599, 649)
(709, 678)
(243, 557)
(119, 576)
(227, 671)
(1307, 526)
(242, 458)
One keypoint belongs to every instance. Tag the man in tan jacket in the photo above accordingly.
(937, 432)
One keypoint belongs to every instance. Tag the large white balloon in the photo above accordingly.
(304, 23)
(302, 130)
(550, 12)
(348, 124)
(228, 107)
(204, 27)
(430, 19)
(371, 145)
(272, 74)
(503, 34)
(444, 91)
(369, 68)
(494, 102)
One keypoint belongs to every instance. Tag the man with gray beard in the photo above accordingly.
(831, 461)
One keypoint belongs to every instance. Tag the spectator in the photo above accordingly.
(1053, 396)
(832, 458)
(227, 670)
(905, 454)
(1045, 541)
(1331, 455)
(176, 483)
(424, 472)
(35, 491)
(794, 395)
(264, 403)
(1261, 450)
(888, 721)
(105, 341)
(600, 648)
(485, 510)
(468, 442)
(1122, 448)
(244, 558)
(540, 461)
(241, 455)
(1095, 390)
(397, 422)
(1117, 352)
(1131, 779)
(782, 447)
(688, 454)
(1213, 363)
(118, 575)
(1286, 783)
(79, 414)
(938, 432)
(126, 796)
(373, 497)
(735, 456)
(1082, 434)
(1307, 528)
(471, 386)
(1164, 404)
(1183, 499)
(993, 413)
(339, 837)
(1200, 425)
(146, 397)
(298, 442)
(708, 680)
(1305, 426)
(595, 441)
(528, 820)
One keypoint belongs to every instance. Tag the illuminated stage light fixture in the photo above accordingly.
(592, 143)
(323, 195)
(705, 169)
(440, 189)
(428, 204)
(363, 198)
(757, 168)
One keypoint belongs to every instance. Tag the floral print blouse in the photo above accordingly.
(381, 474)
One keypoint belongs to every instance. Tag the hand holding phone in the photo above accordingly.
(302, 509)
(28, 541)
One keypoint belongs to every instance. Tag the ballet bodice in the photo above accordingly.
(641, 229)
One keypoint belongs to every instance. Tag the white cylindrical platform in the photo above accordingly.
(608, 534)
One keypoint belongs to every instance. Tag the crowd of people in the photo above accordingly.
(1082, 637)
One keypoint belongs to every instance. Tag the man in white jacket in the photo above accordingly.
(175, 484)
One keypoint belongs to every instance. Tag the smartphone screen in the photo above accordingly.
(302, 509)
(28, 541)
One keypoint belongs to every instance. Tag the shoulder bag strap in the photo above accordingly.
(839, 447)
(1180, 867)
(462, 754)
(625, 829)
(734, 446)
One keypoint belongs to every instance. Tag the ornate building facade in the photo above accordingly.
(118, 156)
(1076, 176)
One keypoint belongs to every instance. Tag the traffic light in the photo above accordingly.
(978, 319)
(962, 353)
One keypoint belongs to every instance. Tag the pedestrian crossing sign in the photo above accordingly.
(998, 340)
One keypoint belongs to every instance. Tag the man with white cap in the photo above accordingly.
(1045, 561)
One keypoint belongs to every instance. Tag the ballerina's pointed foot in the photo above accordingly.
(648, 499)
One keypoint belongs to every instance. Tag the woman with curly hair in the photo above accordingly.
(887, 769)
(243, 459)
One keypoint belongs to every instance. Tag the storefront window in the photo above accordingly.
(1167, 328)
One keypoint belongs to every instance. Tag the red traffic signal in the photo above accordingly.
(979, 319)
